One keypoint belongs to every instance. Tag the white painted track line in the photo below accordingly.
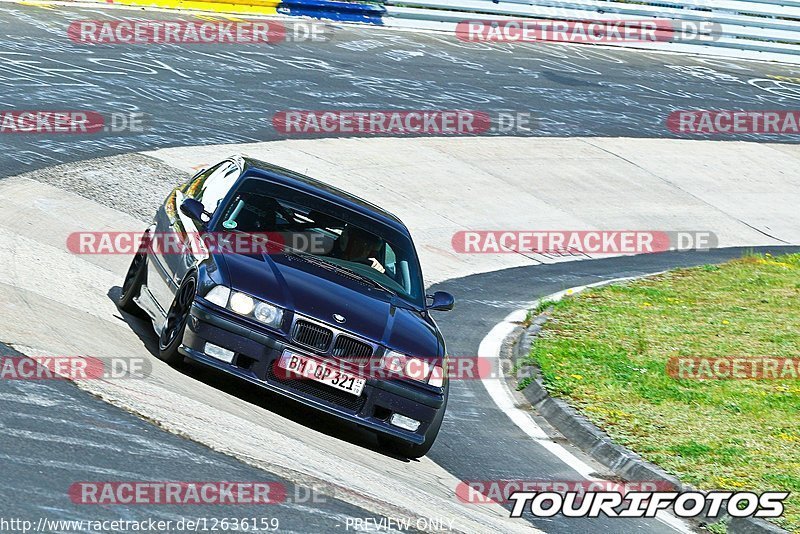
(501, 395)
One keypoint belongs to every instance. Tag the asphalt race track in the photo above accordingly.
(55, 434)
(485, 299)
(208, 94)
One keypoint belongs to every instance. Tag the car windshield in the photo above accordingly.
(326, 234)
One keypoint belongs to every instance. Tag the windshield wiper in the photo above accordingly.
(349, 272)
(316, 260)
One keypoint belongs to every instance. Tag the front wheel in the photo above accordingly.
(175, 323)
(413, 450)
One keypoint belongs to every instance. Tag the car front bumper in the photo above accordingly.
(256, 352)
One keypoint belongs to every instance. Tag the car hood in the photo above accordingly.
(311, 290)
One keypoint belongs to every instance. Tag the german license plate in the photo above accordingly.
(298, 366)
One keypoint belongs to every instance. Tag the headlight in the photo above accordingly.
(404, 366)
(219, 295)
(246, 305)
(268, 314)
(241, 303)
(394, 362)
(261, 311)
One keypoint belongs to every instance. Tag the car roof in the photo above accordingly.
(313, 186)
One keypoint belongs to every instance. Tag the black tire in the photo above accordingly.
(171, 335)
(412, 450)
(132, 285)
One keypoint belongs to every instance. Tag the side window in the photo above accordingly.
(390, 259)
(397, 268)
(390, 262)
(212, 186)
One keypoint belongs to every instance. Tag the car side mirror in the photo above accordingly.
(193, 209)
(442, 301)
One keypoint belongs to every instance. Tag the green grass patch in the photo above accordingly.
(606, 352)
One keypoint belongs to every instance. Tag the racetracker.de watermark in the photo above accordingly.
(92, 32)
(580, 241)
(587, 32)
(177, 493)
(733, 368)
(416, 122)
(168, 243)
(418, 368)
(69, 122)
(703, 122)
(253, 524)
(72, 368)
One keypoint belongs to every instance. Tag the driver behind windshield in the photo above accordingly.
(358, 246)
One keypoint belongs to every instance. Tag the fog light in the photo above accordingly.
(404, 422)
(219, 353)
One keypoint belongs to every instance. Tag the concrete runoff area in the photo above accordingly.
(744, 192)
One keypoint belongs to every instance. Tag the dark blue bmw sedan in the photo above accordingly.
(332, 312)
